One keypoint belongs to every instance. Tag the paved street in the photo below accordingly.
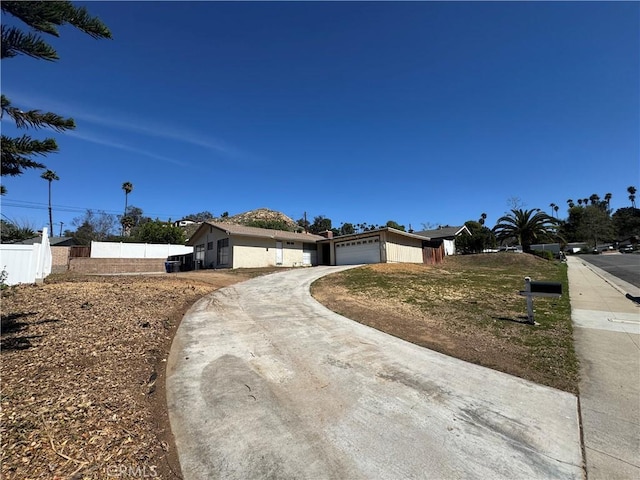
(624, 266)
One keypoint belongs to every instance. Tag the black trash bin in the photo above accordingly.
(172, 266)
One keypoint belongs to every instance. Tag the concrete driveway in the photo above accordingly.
(264, 382)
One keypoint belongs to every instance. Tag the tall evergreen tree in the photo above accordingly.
(41, 17)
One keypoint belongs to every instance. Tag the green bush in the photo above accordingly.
(546, 254)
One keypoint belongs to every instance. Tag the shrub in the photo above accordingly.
(546, 254)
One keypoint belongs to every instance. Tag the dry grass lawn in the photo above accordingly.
(469, 308)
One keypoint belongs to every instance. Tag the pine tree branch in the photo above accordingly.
(46, 16)
(38, 15)
(16, 153)
(36, 118)
(15, 42)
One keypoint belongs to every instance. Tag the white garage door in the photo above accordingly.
(363, 250)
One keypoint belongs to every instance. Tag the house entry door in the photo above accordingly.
(278, 253)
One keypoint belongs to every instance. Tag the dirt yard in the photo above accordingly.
(83, 361)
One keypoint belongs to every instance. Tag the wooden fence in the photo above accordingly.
(432, 252)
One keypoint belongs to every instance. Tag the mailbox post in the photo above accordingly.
(539, 289)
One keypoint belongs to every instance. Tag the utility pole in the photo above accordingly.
(61, 224)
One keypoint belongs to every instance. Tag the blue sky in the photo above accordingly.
(418, 112)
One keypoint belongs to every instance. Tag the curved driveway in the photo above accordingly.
(264, 382)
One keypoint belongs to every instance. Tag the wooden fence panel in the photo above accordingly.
(433, 252)
(79, 251)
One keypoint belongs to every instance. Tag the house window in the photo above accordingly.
(199, 254)
(290, 243)
(223, 252)
(209, 245)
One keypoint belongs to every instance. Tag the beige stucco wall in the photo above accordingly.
(211, 235)
(250, 252)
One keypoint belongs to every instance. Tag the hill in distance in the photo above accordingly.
(261, 217)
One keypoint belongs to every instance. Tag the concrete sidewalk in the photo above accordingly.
(607, 341)
(264, 382)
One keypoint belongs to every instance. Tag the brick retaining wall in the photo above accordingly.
(59, 259)
(116, 265)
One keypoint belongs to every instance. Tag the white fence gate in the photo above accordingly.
(26, 263)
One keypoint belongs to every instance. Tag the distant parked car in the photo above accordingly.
(626, 249)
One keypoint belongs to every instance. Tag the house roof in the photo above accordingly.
(53, 241)
(443, 232)
(244, 231)
(368, 233)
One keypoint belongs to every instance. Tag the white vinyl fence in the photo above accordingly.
(26, 263)
(136, 250)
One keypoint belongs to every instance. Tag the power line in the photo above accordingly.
(69, 209)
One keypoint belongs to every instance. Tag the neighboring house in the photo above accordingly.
(226, 245)
(53, 241)
(385, 245)
(183, 222)
(447, 235)
(60, 247)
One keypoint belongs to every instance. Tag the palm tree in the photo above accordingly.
(553, 207)
(50, 176)
(483, 218)
(570, 203)
(595, 199)
(525, 226)
(128, 188)
(632, 195)
(580, 201)
(607, 198)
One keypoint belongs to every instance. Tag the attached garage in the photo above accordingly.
(385, 245)
(355, 252)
